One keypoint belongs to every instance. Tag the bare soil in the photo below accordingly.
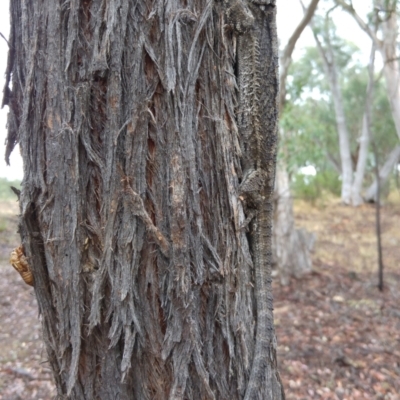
(339, 337)
(24, 372)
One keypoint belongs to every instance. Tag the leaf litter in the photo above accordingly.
(338, 336)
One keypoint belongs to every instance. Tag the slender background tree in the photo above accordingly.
(291, 247)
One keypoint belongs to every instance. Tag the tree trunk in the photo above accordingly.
(291, 258)
(356, 189)
(356, 196)
(388, 50)
(344, 141)
(292, 247)
(286, 56)
(371, 195)
(387, 47)
(130, 209)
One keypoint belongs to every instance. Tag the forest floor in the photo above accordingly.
(24, 372)
(338, 336)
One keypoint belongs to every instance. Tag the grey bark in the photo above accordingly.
(387, 168)
(130, 210)
(356, 195)
(257, 70)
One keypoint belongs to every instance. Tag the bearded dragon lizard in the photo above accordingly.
(253, 21)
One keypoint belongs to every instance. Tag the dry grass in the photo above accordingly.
(346, 236)
(338, 335)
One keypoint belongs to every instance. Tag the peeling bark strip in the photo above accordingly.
(130, 210)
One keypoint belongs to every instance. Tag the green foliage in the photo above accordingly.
(309, 133)
(311, 188)
(383, 129)
(308, 125)
(3, 224)
(330, 182)
(5, 191)
(304, 188)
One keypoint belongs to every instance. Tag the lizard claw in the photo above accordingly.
(246, 222)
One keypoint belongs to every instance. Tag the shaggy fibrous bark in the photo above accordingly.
(130, 211)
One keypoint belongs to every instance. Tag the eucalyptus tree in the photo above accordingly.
(309, 118)
(352, 168)
(386, 170)
(365, 137)
(384, 17)
(148, 135)
(324, 37)
(382, 28)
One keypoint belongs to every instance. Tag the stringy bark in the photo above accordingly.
(125, 116)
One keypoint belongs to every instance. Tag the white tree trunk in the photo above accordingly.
(392, 77)
(364, 140)
(290, 256)
(292, 246)
(388, 50)
(384, 173)
(344, 143)
(356, 196)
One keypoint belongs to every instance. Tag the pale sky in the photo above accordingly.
(289, 15)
